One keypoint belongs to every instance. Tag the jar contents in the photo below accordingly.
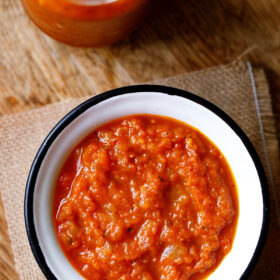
(88, 23)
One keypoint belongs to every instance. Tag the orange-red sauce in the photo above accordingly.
(85, 23)
(145, 197)
(78, 9)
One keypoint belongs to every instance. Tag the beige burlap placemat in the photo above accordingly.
(237, 88)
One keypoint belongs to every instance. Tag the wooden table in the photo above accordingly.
(180, 36)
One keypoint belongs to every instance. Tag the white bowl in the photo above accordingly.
(210, 120)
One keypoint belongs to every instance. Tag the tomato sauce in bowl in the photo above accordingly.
(145, 197)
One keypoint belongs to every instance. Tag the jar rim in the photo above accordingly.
(92, 2)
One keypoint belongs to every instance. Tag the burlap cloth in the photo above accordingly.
(238, 89)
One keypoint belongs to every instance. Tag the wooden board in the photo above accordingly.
(180, 36)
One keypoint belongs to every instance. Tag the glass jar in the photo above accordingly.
(88, 23)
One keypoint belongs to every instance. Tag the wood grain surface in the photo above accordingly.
(179, 36)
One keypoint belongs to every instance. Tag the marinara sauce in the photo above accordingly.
(88, 23)
(145, 197)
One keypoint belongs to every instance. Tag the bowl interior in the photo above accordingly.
(243, 167)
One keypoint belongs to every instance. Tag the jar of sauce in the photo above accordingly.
(87, 23)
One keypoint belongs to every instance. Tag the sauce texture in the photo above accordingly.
(145, 197)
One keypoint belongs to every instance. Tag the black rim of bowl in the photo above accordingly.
(32, 177)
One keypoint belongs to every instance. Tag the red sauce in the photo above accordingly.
(145, 197)
(83, 23)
